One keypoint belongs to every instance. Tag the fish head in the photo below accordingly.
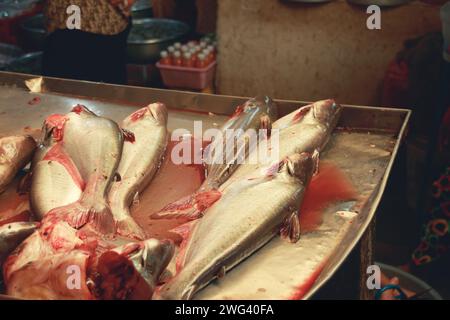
(263, 104)
(157, 111)
(326, 111)
(150, 257)
(300, 166)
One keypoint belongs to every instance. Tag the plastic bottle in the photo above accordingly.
(198, 49)
(165, 58)
(201, 61)
(213, 52)
(176, 60)
(177, 45)
(171, 50)
(203, 44)
(208, 56)
(184, 48)
(187, 60)
(193, 56)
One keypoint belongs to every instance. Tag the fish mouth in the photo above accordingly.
(326, 111)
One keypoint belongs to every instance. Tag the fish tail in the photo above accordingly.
(78, 215)
(128, 227)
(191, 207)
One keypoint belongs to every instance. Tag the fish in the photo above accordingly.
(94, 145)
(148, 259)
(15, 153)
(12, 234)
(55, 180)
(141, 158)
(255, 115)
(239, 224)
(307, 129)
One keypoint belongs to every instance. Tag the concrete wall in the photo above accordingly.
(307, 52)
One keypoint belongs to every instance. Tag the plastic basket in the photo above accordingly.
(187, 78)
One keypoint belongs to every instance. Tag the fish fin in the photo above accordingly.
(184, 231)
(265, 124)
(316, 159)
(129, 228)
(191, 207)
(221, 273)
(136, 199)
(78, 215)
(290, 230)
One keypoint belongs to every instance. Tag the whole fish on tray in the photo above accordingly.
(307, 129)
(90, 149)
(257, 201)
(15, 153)
(146, 140)
(255, 114)
(240, 223)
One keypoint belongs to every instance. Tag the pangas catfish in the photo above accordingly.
(94, 144)
(55, 181)
(60, 262)
(222, 156)
(240, 223)
(145, 142)
(307, 129)
(15, 153)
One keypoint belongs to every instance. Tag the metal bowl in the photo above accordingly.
(142, 9)
(33, 32)
(149, 36)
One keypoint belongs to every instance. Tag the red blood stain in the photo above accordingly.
(138, 114)
(300, 114)
(34, 101)
(129, 136)
(79, 108)
(57, 122)
(330, 185)
(238, 111)
(303, 288)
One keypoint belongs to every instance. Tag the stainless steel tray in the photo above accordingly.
(364, 147)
